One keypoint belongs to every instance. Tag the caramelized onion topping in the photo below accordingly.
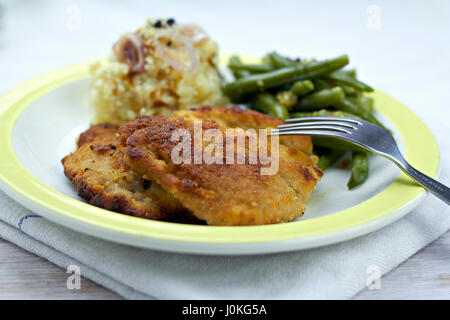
(130, 50)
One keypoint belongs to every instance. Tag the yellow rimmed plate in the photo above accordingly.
(40, 119)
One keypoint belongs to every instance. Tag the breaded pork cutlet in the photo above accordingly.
(223, 194)
(101, 177)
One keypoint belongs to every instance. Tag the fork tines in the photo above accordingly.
(318, 126)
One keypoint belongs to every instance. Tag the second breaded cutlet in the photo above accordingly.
(101, 177)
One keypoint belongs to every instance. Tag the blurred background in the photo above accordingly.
(399, 47)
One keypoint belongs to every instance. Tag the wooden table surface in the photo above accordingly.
(24, 275)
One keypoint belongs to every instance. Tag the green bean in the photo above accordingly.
(348, 106)
(320, 84)
(252, 68)
(321, 99)
(234, 60)
(344, 78)
(335, 143)
(360, 169)
(267, 103)
(279, 61)
(350, 72)
(237, 73)
(363, 101)
(350, 91)
(238, 68)
(329, 157)
(302, 87)
(260, 82)
(323, 113)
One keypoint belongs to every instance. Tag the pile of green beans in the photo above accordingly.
(292, 88)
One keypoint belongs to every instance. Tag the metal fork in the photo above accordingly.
(366, 135)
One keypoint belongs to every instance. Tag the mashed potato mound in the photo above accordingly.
(162, 67)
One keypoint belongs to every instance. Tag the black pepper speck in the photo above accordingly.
(146, 184)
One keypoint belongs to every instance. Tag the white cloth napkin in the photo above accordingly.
(333, 272)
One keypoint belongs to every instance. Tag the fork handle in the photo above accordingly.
(435, 187)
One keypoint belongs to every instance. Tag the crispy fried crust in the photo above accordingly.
(222, 194)
(102, 178)
(100, 132)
